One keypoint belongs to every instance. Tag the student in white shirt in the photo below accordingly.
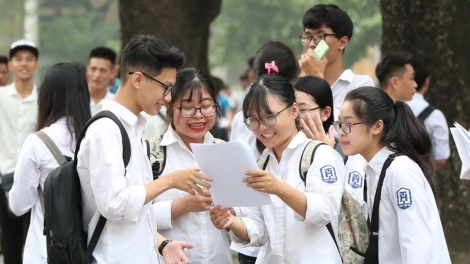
(18, 117)
(63, 112)
(4, 74)
(316, 111)
(329, 23)
(193, 111)
(125, 195)
(272, 57)
(375, 126)
(292, 228)
(100, 71)
(435, 123)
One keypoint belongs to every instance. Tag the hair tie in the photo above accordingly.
(271, 67)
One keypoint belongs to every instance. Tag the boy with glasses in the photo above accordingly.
(124, 195)
(334, 26)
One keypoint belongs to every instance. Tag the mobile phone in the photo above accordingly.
(321, 49)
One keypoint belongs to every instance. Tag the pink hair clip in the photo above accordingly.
(271, 67)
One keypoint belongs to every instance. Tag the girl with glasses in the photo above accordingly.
(293, 228)
(192, 112)
(401, 199)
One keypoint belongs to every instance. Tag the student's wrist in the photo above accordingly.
(163, 245)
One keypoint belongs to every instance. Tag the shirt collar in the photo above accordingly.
(377, 162)
(293, 144)
(125, 114)
(347, 76)
(418, 96)
(171, 137)
(32, 97)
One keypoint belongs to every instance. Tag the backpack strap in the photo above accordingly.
(126, 155)
(57, 155)
(305, 161)
(425, 113)
(263, 162)
(372, 252)
(156, 155)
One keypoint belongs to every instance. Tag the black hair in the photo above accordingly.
(195, 81)
(64, 93)
(421, 71)
(402, 131)
(392, 64)
(320, 90)
(282, 56)
(104, 53)
(330, 16)
(250, 62)
(256, 98)
(4, 60)
(149, 54)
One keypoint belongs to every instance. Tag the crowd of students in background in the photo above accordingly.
(286, 102)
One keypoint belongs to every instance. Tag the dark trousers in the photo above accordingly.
(244, 259)
(14, 231)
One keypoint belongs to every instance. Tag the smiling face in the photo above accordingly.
(278, 136)
(307, 104)
(150, 98)
(23, 64)
(192, 129)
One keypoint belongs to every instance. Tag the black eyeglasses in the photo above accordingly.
(268, 120)
(346, 127)
(304, 111)
(167, 88)
(305, 40)
(186, 111)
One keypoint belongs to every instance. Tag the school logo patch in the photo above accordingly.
(328, 174)
(404, 199)
(355, 180)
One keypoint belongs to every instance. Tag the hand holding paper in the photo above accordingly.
(226, 164)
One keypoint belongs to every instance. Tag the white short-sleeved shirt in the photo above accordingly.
(96, 107)
(435, 124)
(210, 244)
(290, 238)
(346, 82)
(354, 179)
(18, 118)
(34, 164)
(410, 229)
(129, 235)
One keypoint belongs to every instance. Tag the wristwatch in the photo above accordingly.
(163, 245)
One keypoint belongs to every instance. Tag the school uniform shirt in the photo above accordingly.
(410, 230)
(354, 181)
(96, 107)
(290, 238)
(210, 244)
(34, 164)
(18, 118)
(435, 124)
(129, 235)
(345, 83)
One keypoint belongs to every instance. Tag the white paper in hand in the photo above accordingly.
(226, 163)
(461, 138)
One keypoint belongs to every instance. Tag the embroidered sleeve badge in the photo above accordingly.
(328, 174)
(404, 199)
(355, 180)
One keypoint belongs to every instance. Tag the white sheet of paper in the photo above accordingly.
(464, 153)
(226, 163)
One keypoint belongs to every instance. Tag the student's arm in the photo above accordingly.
(24, 194)
(407, 191)
(439, 133)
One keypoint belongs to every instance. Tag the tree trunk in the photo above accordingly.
(183, 23)
(439, 30)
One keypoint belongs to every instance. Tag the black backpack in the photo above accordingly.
(63, 223)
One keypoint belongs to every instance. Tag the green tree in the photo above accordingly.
(438, 30)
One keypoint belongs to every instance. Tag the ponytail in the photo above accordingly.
(410, 137)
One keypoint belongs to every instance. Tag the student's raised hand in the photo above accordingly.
(188, 180)
(313, 129)
(262, 181)
(311, 65)
(173, 252)
(198, 203)
(221, 217)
